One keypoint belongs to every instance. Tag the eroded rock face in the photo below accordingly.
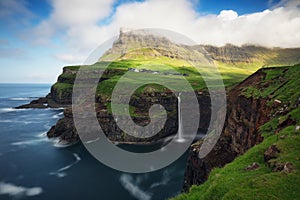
(65, 128)
(232, 54)
(271, 153)
(240, 132)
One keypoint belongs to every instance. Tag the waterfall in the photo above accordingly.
(180, 132)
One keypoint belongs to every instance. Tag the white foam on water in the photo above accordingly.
(56, 116)
(41, 135)
(6, 121)
(29, 142)
(18, 191)
(16, 121)
(165, 180)
(134, 189)
(60, 172)
(59, 144)
(21, 99)
(6, 110)
(47, 126)
(61, 108)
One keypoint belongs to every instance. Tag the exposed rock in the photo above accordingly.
(240, 133)
(232, 54)
(276, 103)
(282, 136)
(39, 103)
(278, 167)
(253, 166)
(44, 102)
(271, 153)
(288, 167)
(283, 167)
(65, 128)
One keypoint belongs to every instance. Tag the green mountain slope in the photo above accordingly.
(234, 63)
(269, 170)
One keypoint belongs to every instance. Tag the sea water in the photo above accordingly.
(34, 167)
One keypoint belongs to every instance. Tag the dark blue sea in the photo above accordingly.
(35, 167)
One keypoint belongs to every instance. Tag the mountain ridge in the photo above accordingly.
(229, 53)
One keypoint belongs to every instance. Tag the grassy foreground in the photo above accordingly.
(233, 181)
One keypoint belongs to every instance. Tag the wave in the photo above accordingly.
(42, 135)
(127, 182)
(60, 172)
(18, 191)
(15, 121)
(29, 142)
(21, 98)
(60, 108)
(58, 115)
(6, 121)
(5, 110)
(165, 180)
(60, 144)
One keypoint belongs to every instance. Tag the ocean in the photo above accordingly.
(35, 167)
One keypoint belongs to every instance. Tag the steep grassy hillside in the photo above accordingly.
(154, 67)
(153, 55)
(271, 169)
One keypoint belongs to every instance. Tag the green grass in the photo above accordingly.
(168, 70)
(280, 83)
(231, 74)
(61, 87)
(234, 182)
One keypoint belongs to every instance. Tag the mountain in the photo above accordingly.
(152, 55)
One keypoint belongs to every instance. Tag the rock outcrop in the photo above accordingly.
(262, 103)
(240, 132)
(65, 128)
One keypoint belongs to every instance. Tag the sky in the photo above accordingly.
(39, 37)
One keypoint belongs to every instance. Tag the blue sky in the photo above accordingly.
(38, 38)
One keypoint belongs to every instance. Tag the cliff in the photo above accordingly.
(252, 54)
(135, 50)
(263, 116)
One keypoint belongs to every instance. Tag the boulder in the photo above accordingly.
(271, 153)
(253, 166)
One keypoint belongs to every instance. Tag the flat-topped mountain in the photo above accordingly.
(140, 44)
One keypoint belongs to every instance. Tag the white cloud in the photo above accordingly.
(74, 21)
(228, 15)
(78, 22)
